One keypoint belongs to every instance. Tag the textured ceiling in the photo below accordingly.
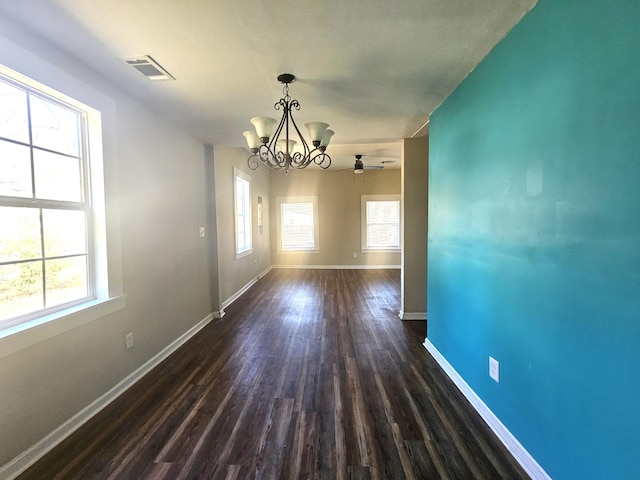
(373, 69)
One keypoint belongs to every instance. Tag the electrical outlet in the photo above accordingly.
(494, 369)
(201, 231)
(355, 254)
(128, 340)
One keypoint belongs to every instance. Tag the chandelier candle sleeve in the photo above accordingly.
(271, 143)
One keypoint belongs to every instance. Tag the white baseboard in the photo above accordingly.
(340, 267)
(34, 453)
(412, 315)
(504, 435)
(236, 295)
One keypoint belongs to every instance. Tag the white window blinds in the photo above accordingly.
(297, 224)
(382, 224)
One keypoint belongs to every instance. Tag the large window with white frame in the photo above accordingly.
(380, 217)
(242, 195)
(46, 243)
(297, 224)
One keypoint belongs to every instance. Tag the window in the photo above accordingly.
(242, 192)
(46, 242)
(297, 221)
(380, 222)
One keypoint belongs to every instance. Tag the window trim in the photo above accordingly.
(364, 199)
(316, 221)
(239, 174)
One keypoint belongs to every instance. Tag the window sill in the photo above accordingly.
(296, 252)
(244, 253)
(381, 250)
(24, 335)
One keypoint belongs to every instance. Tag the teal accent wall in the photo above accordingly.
(534, 235)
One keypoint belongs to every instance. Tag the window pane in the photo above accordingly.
(297, 226)
(247, 217)
(57, 177)
(383, 224)
(13, 113)
(15, 170)
(66, 280)
(20, 234)
(54, 127)
(20, 289)
(239, 197)
(382, 212)
(243, 215)
(64, 232)
(300, 237)
(241, 236)
(382, 236)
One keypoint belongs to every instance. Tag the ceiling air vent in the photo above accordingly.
(149, 68)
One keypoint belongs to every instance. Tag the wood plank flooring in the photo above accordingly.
(310, 375)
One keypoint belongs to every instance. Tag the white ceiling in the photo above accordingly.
(373, 69)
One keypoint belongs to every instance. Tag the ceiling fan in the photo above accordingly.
(359, 167)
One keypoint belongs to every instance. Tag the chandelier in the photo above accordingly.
(276, 149)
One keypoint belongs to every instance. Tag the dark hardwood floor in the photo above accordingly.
(310, 374)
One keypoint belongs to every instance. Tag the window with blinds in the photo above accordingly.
(297, 223)
(381, 222)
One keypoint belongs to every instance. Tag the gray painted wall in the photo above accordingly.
(234, 273)
(415, 194)
(155, 191)
(338, 195)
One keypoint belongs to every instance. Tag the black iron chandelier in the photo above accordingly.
(269, 149)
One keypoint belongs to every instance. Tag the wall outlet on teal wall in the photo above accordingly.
(494, 369)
